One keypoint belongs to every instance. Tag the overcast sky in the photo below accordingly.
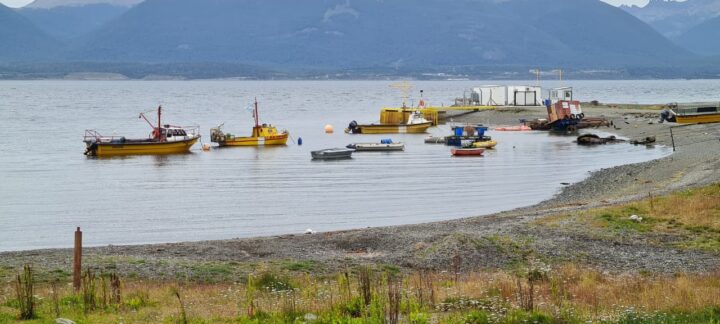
(20, 3)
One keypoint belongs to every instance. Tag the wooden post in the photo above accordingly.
(77, 260)
(672, 138)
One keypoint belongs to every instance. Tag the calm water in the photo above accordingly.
(48, 186)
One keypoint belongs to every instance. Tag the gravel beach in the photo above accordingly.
(481, 242)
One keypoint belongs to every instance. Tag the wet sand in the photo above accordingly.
(480, 242)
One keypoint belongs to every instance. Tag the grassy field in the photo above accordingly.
(531, 291)
(691, 218)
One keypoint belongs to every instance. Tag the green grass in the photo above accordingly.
(301, 266)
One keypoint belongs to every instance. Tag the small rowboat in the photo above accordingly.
(485, 144)
(467, 152)
(519, 128)
(434, 140)
(332, 154)
(377, 147)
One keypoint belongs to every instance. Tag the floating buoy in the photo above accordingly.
(329, 129)
(206, 147)
(299, 141)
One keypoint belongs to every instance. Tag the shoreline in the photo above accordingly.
(433, 245)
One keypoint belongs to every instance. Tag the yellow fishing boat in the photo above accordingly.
(264, 134)
(164, 139)
(416, 124)
(696, 115)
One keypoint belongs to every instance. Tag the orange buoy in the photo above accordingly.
(329, 129)
(206, 147)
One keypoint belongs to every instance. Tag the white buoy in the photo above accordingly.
(309, 231)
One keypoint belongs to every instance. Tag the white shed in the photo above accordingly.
(524, 96)
(561, 94)
(490, 95)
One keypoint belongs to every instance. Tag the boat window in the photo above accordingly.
(707, 109)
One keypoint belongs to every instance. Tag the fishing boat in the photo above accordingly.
(696, 115)
(489, 144)
(332, 154)
(262, 134)
(164, 139)
(383, 146)
(416, 124)
(467, 151)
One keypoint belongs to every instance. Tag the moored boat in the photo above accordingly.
(332, 154)
(262, 134)
(467, 151)
(416, 124)
(164, 139)
(383, 146)
(465, 136)
(489, 144)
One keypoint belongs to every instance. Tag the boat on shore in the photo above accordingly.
(697, 114)
(332, 154)
(467, 151)
(164, 139)
(383, 146)
(262, 134)
(416, 124)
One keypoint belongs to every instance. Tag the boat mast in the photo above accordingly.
(257, 118)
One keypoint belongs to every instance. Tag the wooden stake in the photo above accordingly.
(77, 260)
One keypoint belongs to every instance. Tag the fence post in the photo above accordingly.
(672, 138)
(77, 259)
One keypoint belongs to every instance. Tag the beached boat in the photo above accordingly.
(467, 151)
(164, 139)
(489, 144)
(383, 146)
(696, 115)
(264, 134)
(332, 154)
(416, 124)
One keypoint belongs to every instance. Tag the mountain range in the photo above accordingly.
(674, 18)
(338, 35)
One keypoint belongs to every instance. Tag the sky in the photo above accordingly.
(20, 3)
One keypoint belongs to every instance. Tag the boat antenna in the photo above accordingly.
(159, 113)
(257, 118)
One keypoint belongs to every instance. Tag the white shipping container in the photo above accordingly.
(524, 95)
(491, 95)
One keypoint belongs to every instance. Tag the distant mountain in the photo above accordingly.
(703, 38)
(673, 18)
(21, 40)
(65, 22)
(47, 4)
(380, 34)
